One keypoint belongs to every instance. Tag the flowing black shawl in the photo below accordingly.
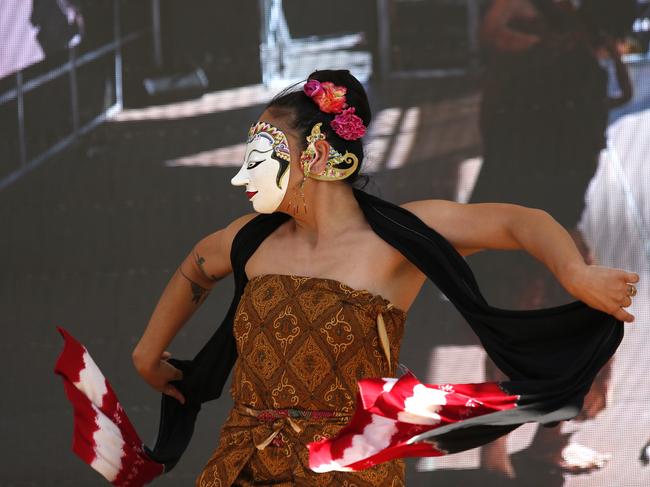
(551, 355)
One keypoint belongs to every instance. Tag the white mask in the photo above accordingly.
(265, 171)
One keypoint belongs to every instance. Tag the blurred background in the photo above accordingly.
(122, 123)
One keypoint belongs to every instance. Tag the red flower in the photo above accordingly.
(348, 126)
(329, 97)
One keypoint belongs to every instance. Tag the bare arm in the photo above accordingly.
(205, 264)
(473, 227)
(495, 32)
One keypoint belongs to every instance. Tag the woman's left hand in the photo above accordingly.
(603, 288)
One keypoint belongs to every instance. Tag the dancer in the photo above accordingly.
(324, 277)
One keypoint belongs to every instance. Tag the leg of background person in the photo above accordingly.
(494, 456)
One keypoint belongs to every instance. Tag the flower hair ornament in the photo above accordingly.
(330, 98)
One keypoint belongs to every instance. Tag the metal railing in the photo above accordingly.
(69, 68)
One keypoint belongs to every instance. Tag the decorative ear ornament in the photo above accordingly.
(339, 166)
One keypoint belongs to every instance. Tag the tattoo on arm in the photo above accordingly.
(199, 293)
(199, 262)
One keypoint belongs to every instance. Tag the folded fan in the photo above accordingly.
(104, 438)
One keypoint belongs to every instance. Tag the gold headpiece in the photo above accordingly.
(339, 166)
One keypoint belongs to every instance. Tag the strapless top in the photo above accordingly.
(305, 341)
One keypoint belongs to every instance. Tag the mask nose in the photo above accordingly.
(241, 178)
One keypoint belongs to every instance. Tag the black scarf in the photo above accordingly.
(551, 355)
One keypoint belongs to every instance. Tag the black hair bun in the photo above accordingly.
(302, 113)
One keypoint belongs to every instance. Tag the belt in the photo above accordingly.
(279, 418)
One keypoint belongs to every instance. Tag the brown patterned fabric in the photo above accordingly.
(303, 342)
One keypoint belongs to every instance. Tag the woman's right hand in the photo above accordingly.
(160, 376)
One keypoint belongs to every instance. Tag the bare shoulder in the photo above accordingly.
(212, 252)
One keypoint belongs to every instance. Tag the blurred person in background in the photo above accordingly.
(60, 24)
(543, 121)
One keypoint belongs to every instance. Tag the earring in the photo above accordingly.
(306, 168)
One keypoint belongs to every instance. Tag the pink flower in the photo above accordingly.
(348, 126)
(312, 87)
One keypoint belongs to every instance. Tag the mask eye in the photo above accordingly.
(252, 164)
(262, 155)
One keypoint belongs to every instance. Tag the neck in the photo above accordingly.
(332, 210)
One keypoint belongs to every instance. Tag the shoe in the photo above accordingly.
(577, 459)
